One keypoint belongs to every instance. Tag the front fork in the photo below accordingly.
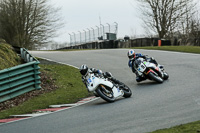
(158, 73)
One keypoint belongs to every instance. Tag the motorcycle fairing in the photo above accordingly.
(93, 82)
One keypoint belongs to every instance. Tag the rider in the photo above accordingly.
(132, 57)
(84, 70)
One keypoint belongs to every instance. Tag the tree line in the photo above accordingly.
(171, 19)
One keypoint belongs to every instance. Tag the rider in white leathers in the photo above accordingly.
(84, 70)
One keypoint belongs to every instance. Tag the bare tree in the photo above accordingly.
(188, 31)
(165, 16)
(194, 29)
(28, 23)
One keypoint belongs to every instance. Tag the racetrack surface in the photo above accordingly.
(152, 106)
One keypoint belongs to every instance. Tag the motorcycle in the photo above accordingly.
(150, 70)
(103, 86)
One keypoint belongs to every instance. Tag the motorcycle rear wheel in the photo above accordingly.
(155, 77)
(105, 94)
(127, 91)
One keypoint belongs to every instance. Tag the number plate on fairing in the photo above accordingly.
(90, 80)
(141, 67)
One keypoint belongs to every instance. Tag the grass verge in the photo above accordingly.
(69, 90)
(187, 49)
(193, 127)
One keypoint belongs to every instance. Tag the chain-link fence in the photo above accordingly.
(93, 34)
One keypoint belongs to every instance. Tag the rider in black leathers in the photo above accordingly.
(84, 70)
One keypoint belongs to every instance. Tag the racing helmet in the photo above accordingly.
(131, 54)
(83, 69)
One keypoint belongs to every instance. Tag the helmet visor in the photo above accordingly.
(131, 56)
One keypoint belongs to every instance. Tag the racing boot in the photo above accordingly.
(115, 80)
(117, 83)
(139, 78)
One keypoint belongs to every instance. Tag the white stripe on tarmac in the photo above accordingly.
(30, 115)
(46, 113)
(59, 62)
(62, 105)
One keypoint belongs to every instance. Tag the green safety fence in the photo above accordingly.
(20, 79)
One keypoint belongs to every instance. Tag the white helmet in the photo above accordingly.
(131, 54)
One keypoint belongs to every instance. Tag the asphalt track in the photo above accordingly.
(151, 107)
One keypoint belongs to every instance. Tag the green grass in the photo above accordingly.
(193, 127)
(70, 90)
(187, 49)
(68, 80)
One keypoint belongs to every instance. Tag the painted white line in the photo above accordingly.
(58, 62)
(30, 115)
(84, 102)
(62, 105)
(38, 114)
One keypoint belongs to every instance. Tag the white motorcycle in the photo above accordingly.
(105, 88)
(150, 70)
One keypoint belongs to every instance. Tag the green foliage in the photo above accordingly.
(8, 57)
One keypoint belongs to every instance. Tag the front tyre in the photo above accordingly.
(166, 76)
(127, 91)
(105, 94)
(155, 77)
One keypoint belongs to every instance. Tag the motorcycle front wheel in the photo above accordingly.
(155, 77)
(166, 76)
(105, 94)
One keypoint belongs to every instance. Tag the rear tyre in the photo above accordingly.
(155, 77)
(105, 94)
(127, 91)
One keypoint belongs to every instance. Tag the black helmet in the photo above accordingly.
(83, 69)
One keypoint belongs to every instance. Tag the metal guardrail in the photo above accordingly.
(20, 79)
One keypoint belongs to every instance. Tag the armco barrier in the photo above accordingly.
(20, 79)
